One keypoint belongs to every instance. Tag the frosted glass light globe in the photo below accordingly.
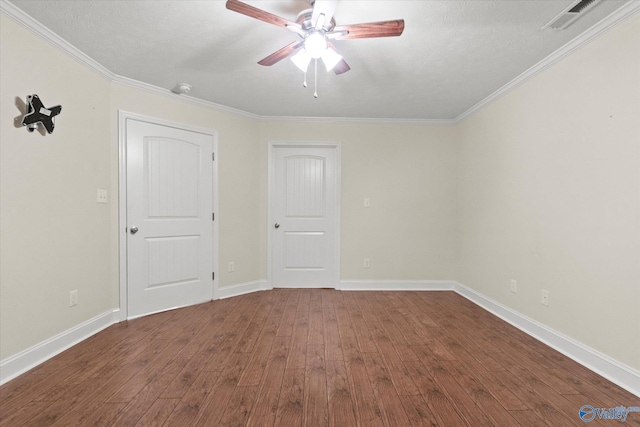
(315, 45)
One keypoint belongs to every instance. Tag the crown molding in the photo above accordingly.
(357, 120)
(136, 84)
(617, 17)
(27, 22)
(35, 27)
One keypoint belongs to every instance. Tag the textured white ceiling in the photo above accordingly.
(452, 55)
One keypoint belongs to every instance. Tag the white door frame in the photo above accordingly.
(270, 218)
(122, 198)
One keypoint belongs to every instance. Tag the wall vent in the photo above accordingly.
(570, 14)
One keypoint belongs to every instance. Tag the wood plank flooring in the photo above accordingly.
(312, 357)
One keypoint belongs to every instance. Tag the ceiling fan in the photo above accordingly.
(317, 28)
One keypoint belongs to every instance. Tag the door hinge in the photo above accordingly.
(213, 216)
(213, 157)
(213, 276)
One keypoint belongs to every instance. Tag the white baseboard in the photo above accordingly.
(27, 359)
(396, 285)
(243, 288)
(616, 372)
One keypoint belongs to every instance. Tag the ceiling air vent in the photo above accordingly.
(570, 14)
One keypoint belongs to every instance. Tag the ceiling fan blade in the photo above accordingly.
(341, 67)
(254, 12)
(281, 54)
(323, 7)
(372, 29)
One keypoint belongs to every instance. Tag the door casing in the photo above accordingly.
(122, 199)
(270, 217)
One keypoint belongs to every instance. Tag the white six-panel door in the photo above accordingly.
(169, 217)
(304, 212)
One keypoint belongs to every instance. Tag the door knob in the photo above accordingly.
(133, 229)
(277, 225)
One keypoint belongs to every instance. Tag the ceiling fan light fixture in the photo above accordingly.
(331, 58)
(302, 60)
(315, 44)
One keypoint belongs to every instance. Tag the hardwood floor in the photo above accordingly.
(292, 357)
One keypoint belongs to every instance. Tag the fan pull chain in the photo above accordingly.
(315, 90)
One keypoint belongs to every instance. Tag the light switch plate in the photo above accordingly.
(102, 196)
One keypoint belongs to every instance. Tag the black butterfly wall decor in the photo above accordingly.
(37, 113)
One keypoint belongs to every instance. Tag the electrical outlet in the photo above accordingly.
(514, 286)
(367, 202)
(231, 267)
(73, 298)
(102, 196)
(367, 264)
(545, 297)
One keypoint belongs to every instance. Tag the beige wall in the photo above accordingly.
(54, 236)
(407, 171)
(549, 195)
(542, 186)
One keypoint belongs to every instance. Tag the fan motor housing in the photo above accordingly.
(304, 20)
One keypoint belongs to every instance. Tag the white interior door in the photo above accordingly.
(304, 213)
(169, 217)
